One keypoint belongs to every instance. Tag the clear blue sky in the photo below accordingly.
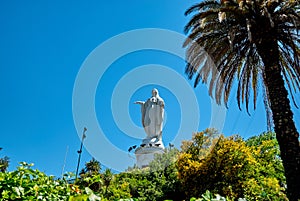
(43, 47)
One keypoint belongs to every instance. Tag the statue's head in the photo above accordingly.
(154, 92)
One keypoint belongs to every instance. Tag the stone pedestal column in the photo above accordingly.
(144, 155)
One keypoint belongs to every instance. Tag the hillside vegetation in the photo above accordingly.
(210, 166)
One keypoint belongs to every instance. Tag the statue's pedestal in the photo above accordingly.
(144, 155)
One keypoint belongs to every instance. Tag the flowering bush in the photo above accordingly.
(232, 167)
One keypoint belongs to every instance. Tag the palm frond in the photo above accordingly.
(233, 51)
(202, 6)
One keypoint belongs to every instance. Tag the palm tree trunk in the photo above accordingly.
(286, 132)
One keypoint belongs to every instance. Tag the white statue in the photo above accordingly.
(152, 117)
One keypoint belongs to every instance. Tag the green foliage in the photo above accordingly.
(201, 143)
(267, 154)
(107, 178)
(139, 184)
(163, 166)
(233, 168)
(92, 167)
(208, 196)
(89, 196)
(258, 140)
(28, 184)
(158, 182)
(246, 46)
(4, 163)
(117, 190)
(90, 176)
(209, 165)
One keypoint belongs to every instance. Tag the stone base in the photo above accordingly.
(144, 155)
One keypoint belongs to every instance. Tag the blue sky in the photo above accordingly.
(43, 47)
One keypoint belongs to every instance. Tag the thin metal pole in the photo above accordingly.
(80, 151)
(64, 165)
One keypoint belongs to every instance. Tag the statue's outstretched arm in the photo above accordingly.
(139, 102)
(142, 103)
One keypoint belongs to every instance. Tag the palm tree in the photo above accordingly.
(92, 167)
(90, 175)
(256, 41)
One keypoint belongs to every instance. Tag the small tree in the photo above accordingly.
(92, 167)
(107, 178)
(4, 163)
(90, 175)
(166, 175)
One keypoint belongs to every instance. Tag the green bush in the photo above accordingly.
(26, 183)
(232, 167)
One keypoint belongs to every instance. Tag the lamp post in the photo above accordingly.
(80, 151)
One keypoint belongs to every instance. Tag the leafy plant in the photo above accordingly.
(4, 163)
(233, 169)
(26, 183)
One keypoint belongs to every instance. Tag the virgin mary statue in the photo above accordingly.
(153, 116)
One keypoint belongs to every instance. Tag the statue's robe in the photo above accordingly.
(153, 116)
